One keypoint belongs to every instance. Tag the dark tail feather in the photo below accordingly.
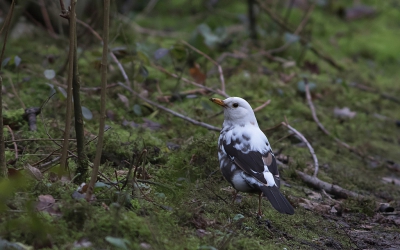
(278, 201)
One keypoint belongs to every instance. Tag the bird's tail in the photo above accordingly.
(278, 201)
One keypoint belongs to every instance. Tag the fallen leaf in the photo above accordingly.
(196, 74)
(124, 100)
(48, 204)
(34, 172)
(344, 113)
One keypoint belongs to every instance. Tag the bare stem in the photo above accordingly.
(72, 32)
(104, 64)
(6, 27)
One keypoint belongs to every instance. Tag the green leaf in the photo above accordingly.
(137, 110)
(87, 114)
(238, 217)
(99, 185)
(119, 243)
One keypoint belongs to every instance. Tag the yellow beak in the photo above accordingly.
(218, 101)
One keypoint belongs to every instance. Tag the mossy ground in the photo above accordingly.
(183, 201)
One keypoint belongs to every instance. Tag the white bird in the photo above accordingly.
(245, 155)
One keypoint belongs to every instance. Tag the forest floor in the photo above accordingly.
(178, 198)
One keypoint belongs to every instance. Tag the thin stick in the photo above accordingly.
(38, 139)
(310, 148)
(72, 31)
(221, 73)
(6, 27)
(262, 106)
(314, 115)
(104, 65)
(128, 84)
(219, 92)
(16, 93)
(303, 40)
(46, 19)
(15, 144)
(195, 122)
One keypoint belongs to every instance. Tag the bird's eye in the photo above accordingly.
(235, 105)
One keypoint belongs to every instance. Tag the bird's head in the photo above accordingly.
(236, 110)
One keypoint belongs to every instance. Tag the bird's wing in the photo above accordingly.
(254, 163)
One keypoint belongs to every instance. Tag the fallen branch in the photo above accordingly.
(328, 187)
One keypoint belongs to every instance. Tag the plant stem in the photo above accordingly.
(104, 65)
(72, 34)
(6, 27)
(83, 162)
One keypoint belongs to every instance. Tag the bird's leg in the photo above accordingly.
(259, 205)
(234, 196)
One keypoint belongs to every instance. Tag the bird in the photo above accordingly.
(245, 155)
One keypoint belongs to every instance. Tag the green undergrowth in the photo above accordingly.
(180, 200)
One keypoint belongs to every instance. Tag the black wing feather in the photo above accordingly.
(252, 162)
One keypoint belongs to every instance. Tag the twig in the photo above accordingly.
(262, 106)
(104, 65)
(90, 29)
(6, 27)
(314, 115)
(375, 91)
(150, 6)
(310, 148)
(38, 139)
(63, 10)
(303, 40)
(221, 73)
(15, 144)
(219, 92)
(46, 19)
(195, 122)
(16, 93)
(72, 32)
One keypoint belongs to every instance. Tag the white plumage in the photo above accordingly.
(245, 155)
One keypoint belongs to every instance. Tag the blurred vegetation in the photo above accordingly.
(178, 199)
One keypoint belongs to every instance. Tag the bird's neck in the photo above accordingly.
(240, 122)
